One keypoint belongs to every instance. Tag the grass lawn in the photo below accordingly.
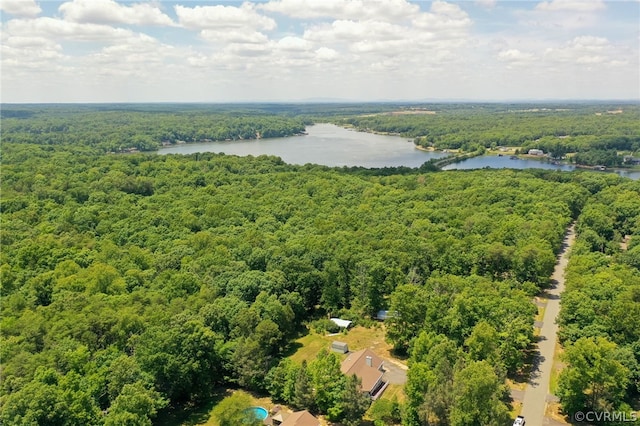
(518, 383)
(553, 411)
(556, 368)
(516, 407)
(541, 310)
(554, 408)
(308, 346)
(396, 391)
(357, 338)
(190, 415)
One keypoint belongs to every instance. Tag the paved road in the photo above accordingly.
(536, 392)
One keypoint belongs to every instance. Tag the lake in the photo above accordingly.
(325, 144)
(334, 146)
(505, 162)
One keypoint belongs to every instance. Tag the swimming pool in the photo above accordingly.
(259, 412)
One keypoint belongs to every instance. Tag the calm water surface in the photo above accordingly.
(324, 144)
(505, 162)
(495, 162)
(330, 145)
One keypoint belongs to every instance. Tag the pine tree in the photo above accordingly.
(354, 402)
(303, 392)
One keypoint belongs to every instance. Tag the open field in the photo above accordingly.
(357, 338)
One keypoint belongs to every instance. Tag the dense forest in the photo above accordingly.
(126, 129)
(557, 130)
(600, 316)
(134, 284)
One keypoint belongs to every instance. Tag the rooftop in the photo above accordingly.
(356, 363)
(301, 418)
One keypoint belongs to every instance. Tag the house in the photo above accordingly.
(536, 152)
(341, 323)
(630, 159)
(299, 418)
(340, 347)
(369, 368)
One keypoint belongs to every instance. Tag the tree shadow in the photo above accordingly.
(397, 354)
(531, 367)
(291, 349)
(192, 413)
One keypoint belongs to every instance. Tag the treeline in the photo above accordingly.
(133, 284)
(464, 336)
(118, 130)
(600, 316)
(556, 128)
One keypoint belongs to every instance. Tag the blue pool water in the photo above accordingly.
(259, 412)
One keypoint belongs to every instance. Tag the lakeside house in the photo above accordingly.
(630, 159)
(369, 368)
(534, 151)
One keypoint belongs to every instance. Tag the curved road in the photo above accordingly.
(536, 393)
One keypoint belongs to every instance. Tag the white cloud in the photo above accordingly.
(294, 44)
(516, 57)
(223, 17)
(138, 56)
(582, 50)
(354, 31)
(487, 4)
(563, 15)
(20, 53)
(326, 54)
(390, 10)
(22, 8)
(108, 12)
(444, 26)
(233, 36)
(60, 29)
(443, 17)
(589, 43)
(572, 5)
(293, 49)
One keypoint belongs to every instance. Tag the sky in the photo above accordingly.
(319, 50)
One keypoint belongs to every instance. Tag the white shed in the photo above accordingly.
(341, 323)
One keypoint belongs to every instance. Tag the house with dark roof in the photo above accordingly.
(369, 368)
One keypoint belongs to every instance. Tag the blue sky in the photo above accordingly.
(299, 50)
